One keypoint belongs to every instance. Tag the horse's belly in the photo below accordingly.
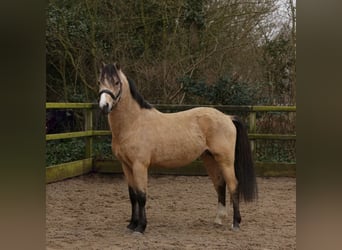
(176, 156)
(172, 163)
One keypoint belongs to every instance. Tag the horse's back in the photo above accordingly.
(210, 120)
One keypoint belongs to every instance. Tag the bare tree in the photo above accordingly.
(159, 42)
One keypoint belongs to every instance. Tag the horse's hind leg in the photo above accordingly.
(228, 171)
(219, 183)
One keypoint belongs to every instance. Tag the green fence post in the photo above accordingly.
(89, 127)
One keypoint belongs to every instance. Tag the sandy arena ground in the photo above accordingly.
(92, 211)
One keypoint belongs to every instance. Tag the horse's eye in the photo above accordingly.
(116, 83)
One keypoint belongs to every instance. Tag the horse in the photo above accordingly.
(142, 137)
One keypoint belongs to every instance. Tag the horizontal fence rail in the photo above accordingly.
(88, 164)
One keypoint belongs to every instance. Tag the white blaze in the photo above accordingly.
(104, 100)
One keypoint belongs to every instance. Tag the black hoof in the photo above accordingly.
(140, 229)
(137, 234)
(132, 226)
(235, 228)
(135, 227)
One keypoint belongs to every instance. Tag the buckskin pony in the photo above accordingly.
(143, 137)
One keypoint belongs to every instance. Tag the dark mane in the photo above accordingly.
(137, 97)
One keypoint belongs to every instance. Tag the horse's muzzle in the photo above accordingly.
(106, 109)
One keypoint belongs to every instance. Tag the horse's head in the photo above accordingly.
(110, 87)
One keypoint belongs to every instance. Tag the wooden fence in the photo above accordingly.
(88, 164)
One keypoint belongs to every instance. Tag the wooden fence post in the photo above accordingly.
(252, 130)
(88, 126)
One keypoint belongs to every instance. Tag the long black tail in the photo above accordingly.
(243, 165)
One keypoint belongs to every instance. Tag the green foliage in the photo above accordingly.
(225, 91)
(276, 151)
(62, 151)
(194, 13)
(103, 148)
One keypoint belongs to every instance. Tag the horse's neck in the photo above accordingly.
(123, 116)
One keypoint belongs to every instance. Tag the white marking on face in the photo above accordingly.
(104, 100)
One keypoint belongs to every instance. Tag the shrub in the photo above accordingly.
(225, 91)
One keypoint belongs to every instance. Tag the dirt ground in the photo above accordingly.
(92, 211)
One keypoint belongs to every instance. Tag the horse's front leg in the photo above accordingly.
(132, 196)
(140, 187)
(135, 209)
(137, 187)
(138, 220)
(142, 221)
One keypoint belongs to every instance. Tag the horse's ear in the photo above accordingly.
(117, 66)
(102, 65)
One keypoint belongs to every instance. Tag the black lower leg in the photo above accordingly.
(135, 209)
(236, 210)
(142, 222)
(221, 192)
